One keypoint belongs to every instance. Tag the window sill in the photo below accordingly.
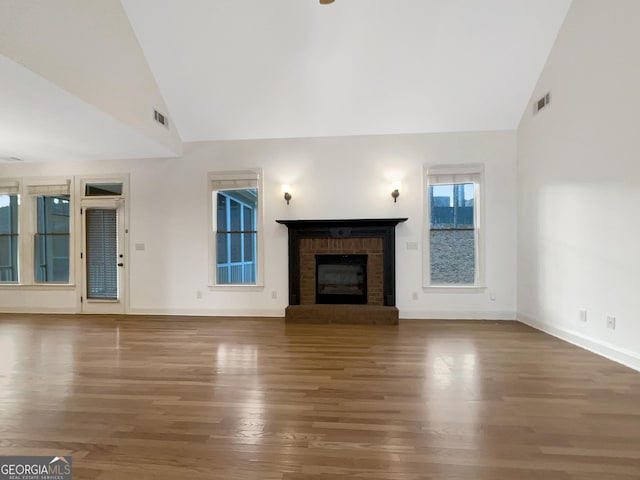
(236, 287)
(454, 289)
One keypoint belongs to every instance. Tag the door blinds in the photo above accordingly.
(102, 254)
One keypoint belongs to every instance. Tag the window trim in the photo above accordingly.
(30, 228)
(479, 201)
(230, 177)
(13, 186)
(27, 228)
(104, 179)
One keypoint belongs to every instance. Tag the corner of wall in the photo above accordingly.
(612, 352)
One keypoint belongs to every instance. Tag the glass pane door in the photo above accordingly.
(102, 253)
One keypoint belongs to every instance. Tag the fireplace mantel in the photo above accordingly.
(382, 228)
(360, 222)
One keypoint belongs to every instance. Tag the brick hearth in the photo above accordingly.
(347, 314)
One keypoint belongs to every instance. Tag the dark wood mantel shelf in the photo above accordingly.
(383, 228)
(360, 222)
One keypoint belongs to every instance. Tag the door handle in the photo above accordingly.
(121, 264)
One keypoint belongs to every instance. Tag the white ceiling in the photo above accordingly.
(235, 69)
(240, 69)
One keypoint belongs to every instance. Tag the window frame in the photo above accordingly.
(27, 229)
(12, 186)
(37, 187)
(231, 177)
(475, 171)
(229, 231)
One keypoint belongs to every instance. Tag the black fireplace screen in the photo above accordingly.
(341, 279)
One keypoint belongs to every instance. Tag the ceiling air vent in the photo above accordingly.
(543, 102)
(160, 118)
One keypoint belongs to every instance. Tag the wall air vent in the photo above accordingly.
(543, 102)
(160, 118)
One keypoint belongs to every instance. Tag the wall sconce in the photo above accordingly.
(395, 190)
(286, 189)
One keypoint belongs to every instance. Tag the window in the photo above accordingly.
(52, 239)
(103, 189)
(9, 203)
(235, 229)
(453, 241)
(52, 208)
(35, 231)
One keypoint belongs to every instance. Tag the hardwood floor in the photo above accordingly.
(183, 397)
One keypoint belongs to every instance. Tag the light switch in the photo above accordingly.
(412, 245)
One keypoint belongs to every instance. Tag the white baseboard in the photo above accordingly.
(247, 312)
(411, 314)
(620, 355)
(158, 311)
(457, 315)
(36, 310)
(277, 312)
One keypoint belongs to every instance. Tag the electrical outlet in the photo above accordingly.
(414, 295)
(611, 322)
(492, 296)
(198, 294)
(582, 314)
(274, 294)
(412, 245)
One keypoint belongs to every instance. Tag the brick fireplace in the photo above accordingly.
(372, 238)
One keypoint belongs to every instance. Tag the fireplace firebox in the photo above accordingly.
(341, 279)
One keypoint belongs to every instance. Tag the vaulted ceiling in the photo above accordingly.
(242, 69)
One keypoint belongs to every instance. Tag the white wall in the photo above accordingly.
(90, 50)
(337, 177)
(579, 184)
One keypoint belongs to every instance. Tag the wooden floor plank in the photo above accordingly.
(150, 397)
